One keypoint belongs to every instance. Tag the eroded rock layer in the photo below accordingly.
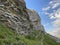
(14, 14)
(35, 20)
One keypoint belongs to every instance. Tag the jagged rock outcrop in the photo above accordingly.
(15, 15)
(35, 19)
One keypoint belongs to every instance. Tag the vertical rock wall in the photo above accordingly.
(14, 14)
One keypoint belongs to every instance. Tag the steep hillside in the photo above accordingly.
(9, 37)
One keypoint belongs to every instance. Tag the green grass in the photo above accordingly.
(9, 36)
(49, 41)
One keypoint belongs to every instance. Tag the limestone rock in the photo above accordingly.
(36, 20)
(14, 14)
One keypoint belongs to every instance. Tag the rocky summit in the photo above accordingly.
(21, 26)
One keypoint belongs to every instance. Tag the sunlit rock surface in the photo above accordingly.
(15, 15)
(35, 19)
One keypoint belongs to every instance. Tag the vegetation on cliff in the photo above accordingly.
(9, 37)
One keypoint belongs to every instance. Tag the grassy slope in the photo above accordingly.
(49, 41)
(8, 36)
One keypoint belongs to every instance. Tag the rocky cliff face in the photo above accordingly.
(17, 20)
(14, 14)
(35, 20)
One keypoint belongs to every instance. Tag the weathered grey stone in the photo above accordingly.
(15, 15)
(35, 19)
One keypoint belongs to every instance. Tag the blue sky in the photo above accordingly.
(49, 11)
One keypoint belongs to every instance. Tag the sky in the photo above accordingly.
(49, 12)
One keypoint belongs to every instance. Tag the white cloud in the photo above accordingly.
(50, 6)
(55, 14)
(56, 1)
(55, 5)
(55, 32)
(52, 16)
(56, 23)
(56, 17)
(50, 2)
(46, 8)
